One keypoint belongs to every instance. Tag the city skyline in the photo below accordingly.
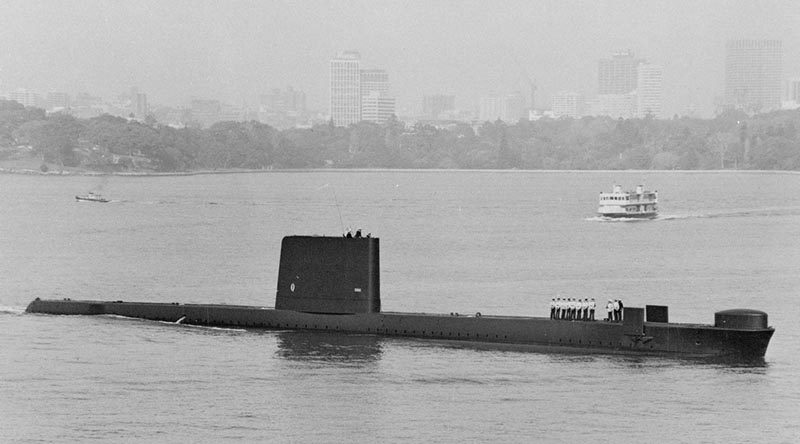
(237, 52)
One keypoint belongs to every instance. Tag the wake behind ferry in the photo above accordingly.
(641, 204)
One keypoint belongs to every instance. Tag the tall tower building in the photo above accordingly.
(346, 88)
(617, 82)
(617, 75)
(377, 107)
(374, 80)
(753, 71)
(57, 100)
(793, 90)
(649, 90)
(791, 99)
(376, 104)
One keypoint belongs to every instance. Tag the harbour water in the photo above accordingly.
(463, 241)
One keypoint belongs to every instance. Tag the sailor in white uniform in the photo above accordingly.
(592, 306)
(610, 310)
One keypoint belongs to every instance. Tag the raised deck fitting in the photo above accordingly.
(332, 284)
(741, 318)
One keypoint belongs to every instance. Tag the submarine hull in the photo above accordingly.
(629, 337)
(333, 284)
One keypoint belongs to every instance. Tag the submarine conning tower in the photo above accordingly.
(332, 275)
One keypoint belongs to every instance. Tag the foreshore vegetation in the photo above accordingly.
(732, 140)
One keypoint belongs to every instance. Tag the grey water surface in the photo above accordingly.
(464, 241)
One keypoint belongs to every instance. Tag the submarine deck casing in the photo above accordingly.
(331, 284)
(657, 338)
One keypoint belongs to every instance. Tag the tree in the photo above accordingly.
(54, 139)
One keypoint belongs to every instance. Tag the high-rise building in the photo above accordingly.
(617, 82)
(793, 89)
(377, 107)
(287, 101)
(435, 105)
(374, 80)
(489, 110)
(649, 90)
(206, 112)
(509, 108)
(567, 104)
(618, 75)
(753, 70)
(616, 105)
(282, 108)
(27, 97)
(345, 88)
(376, 104)
(85, 99)
(792, 97)
(57, 101)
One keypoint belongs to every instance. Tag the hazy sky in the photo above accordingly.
(236, 50)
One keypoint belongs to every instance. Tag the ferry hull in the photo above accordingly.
(629, 215)
(653, 338)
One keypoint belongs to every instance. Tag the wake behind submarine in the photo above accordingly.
(333, 284)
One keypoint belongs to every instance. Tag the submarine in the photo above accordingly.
(328, 283)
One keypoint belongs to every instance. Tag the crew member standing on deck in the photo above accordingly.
(592, 306)
(553, 308)
(619, 312)
(616, 310)
(610, 310)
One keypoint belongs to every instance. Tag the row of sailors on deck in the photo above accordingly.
(583, 310)
(614, 309)
(572, 309)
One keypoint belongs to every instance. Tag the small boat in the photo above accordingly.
(91, 197)
(639, 204)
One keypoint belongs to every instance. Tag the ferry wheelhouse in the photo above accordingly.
(640, 203)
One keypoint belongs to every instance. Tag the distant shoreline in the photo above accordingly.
(79, 173)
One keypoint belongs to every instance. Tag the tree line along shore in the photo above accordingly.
(108, 144)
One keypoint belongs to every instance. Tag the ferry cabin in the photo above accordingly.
(618, 203)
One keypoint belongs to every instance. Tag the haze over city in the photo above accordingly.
(235, 51)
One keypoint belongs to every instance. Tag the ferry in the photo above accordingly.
(91, 197)
(639, 204)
